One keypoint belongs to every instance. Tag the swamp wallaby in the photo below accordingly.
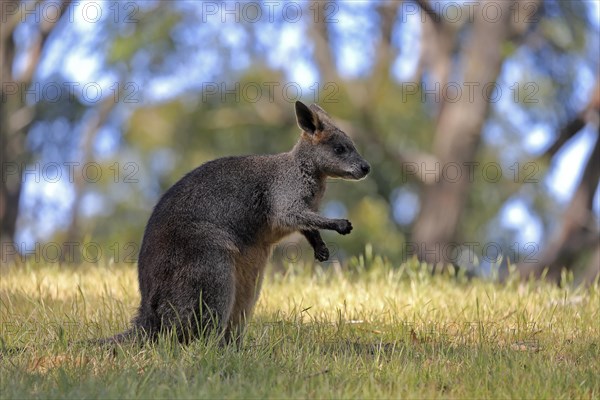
(209, 237)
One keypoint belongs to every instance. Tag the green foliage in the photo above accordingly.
(167, 135)
(152, 35)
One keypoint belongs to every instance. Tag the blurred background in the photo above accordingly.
(480, 120)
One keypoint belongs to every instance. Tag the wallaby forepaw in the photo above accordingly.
(344, 227)
(322, 253)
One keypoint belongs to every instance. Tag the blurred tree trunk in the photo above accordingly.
(10, 143)
(578, 228)
(437, 45)
(457, 136)
(11, 159)
(15, 114)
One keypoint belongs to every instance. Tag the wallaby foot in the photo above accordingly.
(314, 238)
(322, 253)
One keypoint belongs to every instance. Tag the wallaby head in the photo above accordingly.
(328, 148)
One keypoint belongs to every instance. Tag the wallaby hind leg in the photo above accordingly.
(248, 281)
(202, 296)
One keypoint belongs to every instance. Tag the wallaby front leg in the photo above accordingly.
(316, 241)
(309, 220)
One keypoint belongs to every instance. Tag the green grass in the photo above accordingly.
(369, 332)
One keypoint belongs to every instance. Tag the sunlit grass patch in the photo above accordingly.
(371, 330)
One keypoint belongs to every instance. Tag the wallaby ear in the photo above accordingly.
(317, 109)
(308, 120)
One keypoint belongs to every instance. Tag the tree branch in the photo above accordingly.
(589, 114)
(435, 18)
(566, 133)
(45, 29)
(319, 31)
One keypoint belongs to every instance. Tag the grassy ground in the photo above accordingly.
(369, 332)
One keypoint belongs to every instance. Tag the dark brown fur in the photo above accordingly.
(210, 236)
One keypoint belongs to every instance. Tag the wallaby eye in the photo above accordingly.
(339, 150)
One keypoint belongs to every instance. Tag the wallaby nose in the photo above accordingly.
(365, 167)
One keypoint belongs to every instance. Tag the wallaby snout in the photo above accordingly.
(331, 150)
(364, 170)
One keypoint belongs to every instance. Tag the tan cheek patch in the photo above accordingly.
(318, 137)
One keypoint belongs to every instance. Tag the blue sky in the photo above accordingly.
(84, 66)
